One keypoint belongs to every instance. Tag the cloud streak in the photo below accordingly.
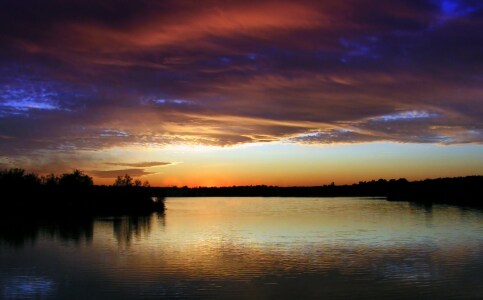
(120, 172)
(147, 164)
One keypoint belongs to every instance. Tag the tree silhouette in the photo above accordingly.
(50, 180)
(76, 179)
(16, 177)
(75, 193)
(125, 180)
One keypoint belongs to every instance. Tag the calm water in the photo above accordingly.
(251, 248)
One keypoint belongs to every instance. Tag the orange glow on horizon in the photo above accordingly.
(299, 165)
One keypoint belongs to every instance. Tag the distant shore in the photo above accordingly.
(76, 194)
(460, 191)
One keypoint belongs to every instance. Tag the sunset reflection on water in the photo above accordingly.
(263, 248)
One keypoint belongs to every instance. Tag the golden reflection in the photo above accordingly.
(259, 248)
(247, 238)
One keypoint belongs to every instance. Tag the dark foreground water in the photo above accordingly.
(251, 248)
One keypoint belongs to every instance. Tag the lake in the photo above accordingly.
(250, 248)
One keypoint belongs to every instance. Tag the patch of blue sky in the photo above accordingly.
(28, 104)
(113, 133)
(451, 9)
(24, 94)
(324, 135)
(406, 115)
(18, 100)
(173, 101)
(308, 134)
(455, 8)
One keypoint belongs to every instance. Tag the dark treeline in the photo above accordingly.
(464, 191)
(74, 194)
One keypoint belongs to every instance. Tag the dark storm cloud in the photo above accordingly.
(87, 75)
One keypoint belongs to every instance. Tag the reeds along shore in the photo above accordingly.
(73, 194)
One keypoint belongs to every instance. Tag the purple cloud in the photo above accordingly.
(85, 76)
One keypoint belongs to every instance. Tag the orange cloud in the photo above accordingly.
(186, 28)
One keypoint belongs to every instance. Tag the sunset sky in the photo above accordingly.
(206, 93)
